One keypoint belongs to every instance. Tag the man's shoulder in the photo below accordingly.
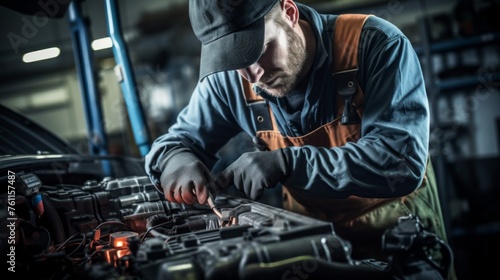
(223, 84)
(322, 22)
(382, 26)
(222, 78)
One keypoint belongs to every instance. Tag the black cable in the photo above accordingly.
(63, 245)
(112, 223)
(158, 233)
(53, 219)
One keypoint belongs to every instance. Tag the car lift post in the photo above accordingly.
(125, 76)
(86, 76)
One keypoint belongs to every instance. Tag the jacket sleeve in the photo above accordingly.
(389, 159)
(203, 127)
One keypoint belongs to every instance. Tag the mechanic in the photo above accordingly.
(343, 127)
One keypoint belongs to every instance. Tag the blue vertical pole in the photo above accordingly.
(125, 76)
(90, 96)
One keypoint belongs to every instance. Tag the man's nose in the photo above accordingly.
(252, 73)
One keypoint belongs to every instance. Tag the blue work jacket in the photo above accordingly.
(388, 160)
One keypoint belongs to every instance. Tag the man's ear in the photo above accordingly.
(291, 11)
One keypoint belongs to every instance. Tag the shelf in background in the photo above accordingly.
(460, 43)
(451, 84)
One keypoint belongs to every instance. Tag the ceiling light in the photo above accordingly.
(41, 55)
(103, 43)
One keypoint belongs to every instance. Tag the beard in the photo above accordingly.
(288, 78)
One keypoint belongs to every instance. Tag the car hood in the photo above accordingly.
(22, 136)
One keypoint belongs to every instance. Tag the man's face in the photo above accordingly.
(282, 60)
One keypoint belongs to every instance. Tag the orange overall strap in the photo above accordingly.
(345, 66)
(346, 41)
(262, 116)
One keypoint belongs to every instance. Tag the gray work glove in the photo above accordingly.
(184, 178)
(254, 171)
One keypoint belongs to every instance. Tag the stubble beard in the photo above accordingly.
(289, 77)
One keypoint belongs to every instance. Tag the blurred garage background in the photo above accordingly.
(458, 42)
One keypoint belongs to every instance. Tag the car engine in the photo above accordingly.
(123, 228)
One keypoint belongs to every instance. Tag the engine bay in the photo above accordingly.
(123, 228)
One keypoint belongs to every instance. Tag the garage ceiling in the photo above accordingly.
(151, 29)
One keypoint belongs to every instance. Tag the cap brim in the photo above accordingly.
(236, 50)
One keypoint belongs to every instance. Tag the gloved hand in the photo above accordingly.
(185, 179)
(254, 171)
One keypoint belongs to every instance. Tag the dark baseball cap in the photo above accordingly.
(231, 32)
